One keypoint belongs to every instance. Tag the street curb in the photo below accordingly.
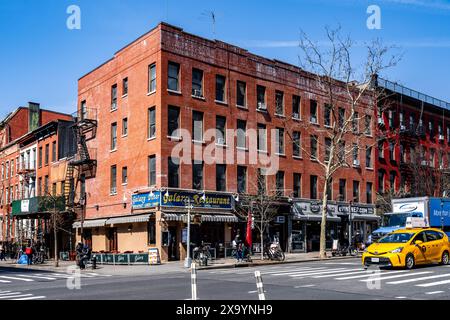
(249, 265)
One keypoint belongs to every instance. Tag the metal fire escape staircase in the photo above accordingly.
(84, 162)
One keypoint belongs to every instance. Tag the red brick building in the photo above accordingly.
(163, 92)
(413, 154)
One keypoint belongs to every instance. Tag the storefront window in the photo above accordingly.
(151, 232)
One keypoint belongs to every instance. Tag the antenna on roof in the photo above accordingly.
(211, 15)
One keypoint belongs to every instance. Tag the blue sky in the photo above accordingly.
(41, 60)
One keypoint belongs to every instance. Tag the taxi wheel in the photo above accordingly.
(445, 258)
(409, 262)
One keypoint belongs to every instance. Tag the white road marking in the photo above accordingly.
(401, 297)
(37, 277)
(308, 271)
(15, 278)
(16, 296)
(8, 293)
(269, 270)
(31, 298)
(341, 274)
(365, 275)
(293, 271)
(418, 279)
(432, 284)
(255, 291)
(4, 281)
(305, 286)
(320, 273)
(434, 292)
(393, 277)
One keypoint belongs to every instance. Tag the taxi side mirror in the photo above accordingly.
(418, 242)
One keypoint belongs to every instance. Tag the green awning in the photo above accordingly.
(37, 205)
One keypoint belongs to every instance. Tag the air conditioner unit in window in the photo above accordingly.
(262, 106)
(295, 116)
(441, 137)
(313, 119)
(356, 163)
(221, 141)
(113, 190)
(197, 93)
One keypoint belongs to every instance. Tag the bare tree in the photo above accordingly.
(345, 89)
(263, 205)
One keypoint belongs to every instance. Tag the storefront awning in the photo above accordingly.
(315, 217)
(129, 219)
(90, 223)
(204, 217)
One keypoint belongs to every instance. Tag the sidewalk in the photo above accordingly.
(174, 266)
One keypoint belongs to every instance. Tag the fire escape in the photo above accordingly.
(84, 163)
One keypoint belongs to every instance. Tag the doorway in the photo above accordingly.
(173, 244)
(112, 240)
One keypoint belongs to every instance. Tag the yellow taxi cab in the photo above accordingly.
(408, 247)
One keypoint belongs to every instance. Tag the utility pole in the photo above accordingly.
(55, 233)
(350, 220)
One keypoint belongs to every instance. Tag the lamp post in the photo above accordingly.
(188, 260)
(350, 220)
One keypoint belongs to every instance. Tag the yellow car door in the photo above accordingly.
(433, 245)
(418, 248)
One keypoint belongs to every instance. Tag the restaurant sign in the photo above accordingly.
(182, 199)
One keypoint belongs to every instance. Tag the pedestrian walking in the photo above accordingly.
(2, 253)
(29, 253)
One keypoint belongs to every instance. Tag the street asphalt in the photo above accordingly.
(336, 280)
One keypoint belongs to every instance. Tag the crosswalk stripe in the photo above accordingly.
(418, 279)
(308, 272)
(432, 284)
(318, 273)
(16, 296)
(8, 294)
(434, 292)
(372, 278)
(292, 271)
(341, 274)
(37, 277)
(4, 281)
(271, 270)
(31, 298)
(365, 275)
(15, 278)
(98, 274)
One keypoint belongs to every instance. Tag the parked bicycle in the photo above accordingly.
(274, 252)
(202, 254)
(39, 256)
(242, 253)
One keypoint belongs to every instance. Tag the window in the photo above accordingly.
(279, 103)
(296, 144)
(221, 177)
(197, 126)
(113, 181)
(113, 136)
(327, 149)
(356, 191)
(380, 182)
(221, 123)
(341, 151)
(152, 122)
(173, 75)
(152, 78)
(53, 189)
(262, 141)
(39, 161)
(125, 87)
(47, 153)
(369, 192)
(151, 232)
(381, 150)
(114, 97)
(368, 157)
(280, 141)
(7, 170)
(297, 185)
(391, 150)
(448, 134)
(220, 88)
(355, 125)
(280, 183)
(241, 89)
(392, 178)
(241, 133)
(401, 120)
(261, 96)
(431, 129)
(327, 115)
(432, 157)
(313, 187)
(296, 107)
(53, 151)
(355, 152)
(151, 170)
(197, 175)
(330, 189)
(241, 179)
(124, 175)
(261, 180)
(313, 147)
(367, 125)
(391, 119)
(342, 189)
(313, 111)
(197, 83)
(341, 116)
(12, 168)
(174, 115)
(124, 126)
(174, 172)
(411, 122)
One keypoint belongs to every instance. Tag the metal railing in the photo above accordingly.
(395, 87)
(85, 114)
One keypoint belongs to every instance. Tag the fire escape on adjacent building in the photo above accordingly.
(83, 165)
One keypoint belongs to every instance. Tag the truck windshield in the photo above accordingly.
(396, 238)
(398, 219)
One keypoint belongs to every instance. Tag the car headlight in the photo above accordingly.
(398, 250)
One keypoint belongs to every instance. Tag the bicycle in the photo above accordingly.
(202, 254)
(242, 253)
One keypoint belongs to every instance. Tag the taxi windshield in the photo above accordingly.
(396, 238)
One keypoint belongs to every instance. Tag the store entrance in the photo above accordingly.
(173, 244)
